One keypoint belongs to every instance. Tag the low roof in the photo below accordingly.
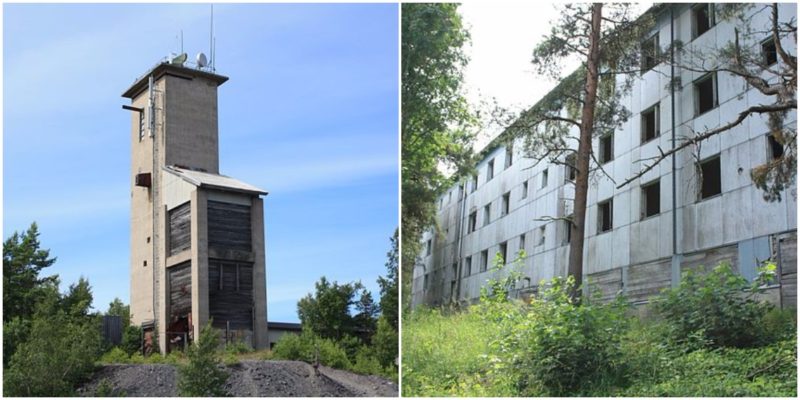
(289, 326)
(213, 181)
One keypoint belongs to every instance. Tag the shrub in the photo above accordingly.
(238, 347)
(302, 347)
(203, 376)
(132, 340)
(561, 348)
(60, 351)
(366, 363)
(115, 356)
(384, 344)
(717, 309)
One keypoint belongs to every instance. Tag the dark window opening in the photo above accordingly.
(509, 155)
(711, 178)
(425, 282)
(606, 148)
(504, 252)
(490, 171)
(544, 178)
(703, 18)
(428, 247)
(487, 214)
(776, 149)
(474, 182)
(768, 52)
(605, 216)
(467, 267)
(650, 124)
(568, 230)
(541, 235)
(473, 221)
(505, 204)
(570, 162)
(484, 260)
(651, 198)
(650, 53)
(705, 93)
(522, 242)
(525, 190)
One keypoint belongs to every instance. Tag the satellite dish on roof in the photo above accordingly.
(179, 60)
(202, 61)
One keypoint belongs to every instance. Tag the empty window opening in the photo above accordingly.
(525, 190)
(490, 170)
(544, 178)
(467, 267)
(428, 247)
(144, 264)
(473, 221)
(484, 260)
(650, 53)
(425, 282)
(605, 216)
(651, 199)
(710, 178)
(455, 269)
(775, 148)
(487, 214)
(702, 19)
(568, 230)
(474, 182)
(570, 162)
(705, 93)
(522, 242)
(504, 252)
(606, 148)
(651, 123)
(769, 53)
(509, 155)
(541, 236)
(505, 204)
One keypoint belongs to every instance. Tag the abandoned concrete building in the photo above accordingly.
(197, 237)
(639, 238)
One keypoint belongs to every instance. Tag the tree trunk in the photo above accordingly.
(575, 267)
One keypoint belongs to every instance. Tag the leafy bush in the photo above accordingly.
(60, 351)
(366, 363)
(302, 347)
(238, 347)
(132, 340)
(762, 372)
(115, 356)
(385, 343)
(717, 309)
(561, 348)
(203, 376)
(449, 355)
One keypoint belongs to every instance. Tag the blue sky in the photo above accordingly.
(310, 114)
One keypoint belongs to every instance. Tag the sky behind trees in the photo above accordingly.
(310, 114)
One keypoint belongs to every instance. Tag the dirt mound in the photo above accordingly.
(247, 379)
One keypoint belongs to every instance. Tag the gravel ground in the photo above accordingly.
(247, 379)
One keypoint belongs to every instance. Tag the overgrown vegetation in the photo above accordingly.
(203, 376)
(554, 346)
(364, 341)
(50, 339)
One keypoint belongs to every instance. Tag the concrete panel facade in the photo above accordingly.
(638, 249)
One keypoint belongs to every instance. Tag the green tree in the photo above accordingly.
(388, 285)
(120, 309)
(328, 312)
(59, 351)
(203, 376)
(22, 262)
(436, 120)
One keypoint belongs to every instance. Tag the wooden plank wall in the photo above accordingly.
(180, 290)
(230, 294)
(647, 280)
(229, 226)
(788, 260)
(708, 259)
(606, 284)
(180, 232)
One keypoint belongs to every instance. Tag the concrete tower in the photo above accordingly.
(197, 237)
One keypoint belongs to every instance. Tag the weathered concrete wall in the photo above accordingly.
(636, 255)
(190, 113)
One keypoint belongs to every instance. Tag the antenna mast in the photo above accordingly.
(211, 40)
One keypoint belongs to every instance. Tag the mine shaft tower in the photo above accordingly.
(197, 237)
